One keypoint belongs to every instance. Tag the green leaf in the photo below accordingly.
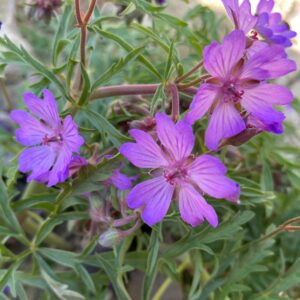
(61, 257)
(103, 125)
(26, 58)
(86, 90)
(114, 277)
(151, 262)
(117, 67)
(153, 35)
(128, 48)
(50, 223)
(171, 20)
(7, 213)
(86, 278)
(159, 94)
(168, 68)
(225, 230)
(59, 42)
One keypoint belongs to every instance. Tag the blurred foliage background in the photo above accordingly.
(47, 251)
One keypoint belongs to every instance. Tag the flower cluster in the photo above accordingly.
(51, 140)
(236, 96)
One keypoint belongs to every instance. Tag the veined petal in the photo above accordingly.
(193, 207)
(202, 102)
(265, 6)
(209, 174)
(71, 135)
(272, 61)
(246, 20)
(240, 15)
(145, 153)
(177, 139)
(206, 164)
(32, 131)
(120, 181)
(155, 195)
(271, 93)
(220, 59)
(60, 170)
(45, 109)
(38, 159)
(224, 122)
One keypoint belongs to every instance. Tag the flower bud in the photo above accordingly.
(110, 238)
(43, 9)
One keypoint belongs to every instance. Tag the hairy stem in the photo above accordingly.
(189, 73)
(134, 89)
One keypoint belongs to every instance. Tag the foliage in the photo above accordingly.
(48, 249)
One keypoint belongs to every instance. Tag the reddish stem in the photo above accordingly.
(134, 89)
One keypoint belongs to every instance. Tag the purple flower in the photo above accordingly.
(265, 23)
(238, 88)
(51, 140)
(119, 180)
(176, 174)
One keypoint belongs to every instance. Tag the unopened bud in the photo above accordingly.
(110, 238)
(97, 208)
(180, 69)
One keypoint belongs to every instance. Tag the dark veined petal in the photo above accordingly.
(37, 159)
(224, 123)
(45, 109)
(193, 207)
(208, 173)
(219, 60)
(32, 131)
(145, 153)
(177, 139)
(202, 102)
(154, 196)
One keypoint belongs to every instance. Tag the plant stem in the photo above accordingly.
(158, 295)
(189, 73)
(175, 102)
(134, 89)
(193, 82)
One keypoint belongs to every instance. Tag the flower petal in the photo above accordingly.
(271, 61)
(272, 94)
(38, 159)
(145, 153)
(202, 102)
(120, 181)
(155, 195)
(60, 170)
(177, 139)
(220, 59)
(71, 135)
(208, 173)
(224, 122)
(254, 102)
(32, 131)
(44, 109)
(193, 207)
(265, 6)
(240, 15)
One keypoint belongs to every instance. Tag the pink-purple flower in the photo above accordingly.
(267, 24)
(51, 140)
(176, 174)
(238, 89)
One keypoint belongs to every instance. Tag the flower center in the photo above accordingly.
(47, 140)
(175, 175)
(254, 35)
(231, 93)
